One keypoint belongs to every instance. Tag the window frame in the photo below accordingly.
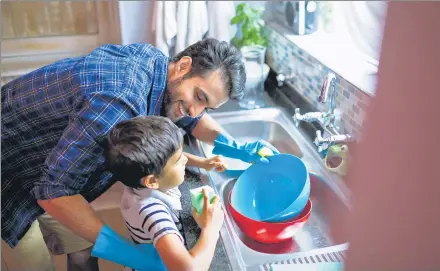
(21, 55)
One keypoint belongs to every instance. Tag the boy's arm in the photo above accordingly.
(206, 163)
(176, 257)
(171, 248)
(159, 226)
(195, 161)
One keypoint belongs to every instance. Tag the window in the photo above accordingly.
(347, 40)
(38, 33)
(359, 23)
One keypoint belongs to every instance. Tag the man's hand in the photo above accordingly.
(208, 130)
(256, 152)
(248, 152)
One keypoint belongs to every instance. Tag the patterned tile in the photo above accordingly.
(283, 55)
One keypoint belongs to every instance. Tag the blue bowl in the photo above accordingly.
(273, 192)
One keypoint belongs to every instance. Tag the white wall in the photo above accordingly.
(136, 19)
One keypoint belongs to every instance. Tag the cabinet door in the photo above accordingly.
(38, 33)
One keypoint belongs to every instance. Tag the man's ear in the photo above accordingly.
(150, 182)
(183, 66)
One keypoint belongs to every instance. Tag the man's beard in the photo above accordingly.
(167, 104)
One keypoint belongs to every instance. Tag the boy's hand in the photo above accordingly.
(212, 217)
(216, 163)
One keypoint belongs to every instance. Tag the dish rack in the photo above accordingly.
(329, 260)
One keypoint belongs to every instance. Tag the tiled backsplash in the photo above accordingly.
(285, 57)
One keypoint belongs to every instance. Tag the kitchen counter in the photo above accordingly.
(190, 227)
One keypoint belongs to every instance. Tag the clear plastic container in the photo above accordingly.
(255, 77)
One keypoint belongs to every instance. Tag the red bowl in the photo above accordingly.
(270, 232)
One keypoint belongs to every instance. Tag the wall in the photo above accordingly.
(136, 20)
(284, 56)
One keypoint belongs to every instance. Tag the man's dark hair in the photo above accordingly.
(211, 55)
(141, 146)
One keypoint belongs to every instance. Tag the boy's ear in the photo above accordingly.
(150, 182)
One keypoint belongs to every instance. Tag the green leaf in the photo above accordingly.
(246, 33)
(247, 42)
(240, 7)
(236, 42)
(237, 19)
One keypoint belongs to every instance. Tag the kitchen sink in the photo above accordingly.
(271, 131)
(276, 127)
(315, 233)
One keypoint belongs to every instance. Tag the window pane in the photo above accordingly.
(39, 19)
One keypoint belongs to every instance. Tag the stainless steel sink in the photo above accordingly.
(276, 127)
(269, 130)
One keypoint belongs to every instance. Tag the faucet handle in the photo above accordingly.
(280, 79)
(323, 143)
(297, 117)
(283, 77)
(318, 138)
(320, 142)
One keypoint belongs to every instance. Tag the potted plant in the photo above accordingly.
(250, 24)
(252, 42)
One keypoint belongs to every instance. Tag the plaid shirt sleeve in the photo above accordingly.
(78, 152)
(113, 91)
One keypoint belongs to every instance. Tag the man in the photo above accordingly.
(54, 125)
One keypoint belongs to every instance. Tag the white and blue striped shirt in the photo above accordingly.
(150, 214)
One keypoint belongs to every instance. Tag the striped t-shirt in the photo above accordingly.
(150, 214)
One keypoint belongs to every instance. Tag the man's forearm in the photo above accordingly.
(75, 213)
(207, 129)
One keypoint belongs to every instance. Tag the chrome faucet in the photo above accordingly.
(282, 78)
(328, 89)
(328, 120)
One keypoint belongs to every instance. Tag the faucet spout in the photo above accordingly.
(329, 120)
(328, 91)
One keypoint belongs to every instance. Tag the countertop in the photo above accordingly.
(190, 227)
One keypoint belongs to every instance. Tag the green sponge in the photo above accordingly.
(197, 197)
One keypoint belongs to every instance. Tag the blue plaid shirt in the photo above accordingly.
(55, 121)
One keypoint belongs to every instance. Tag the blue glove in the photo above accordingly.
(112, 247)
(247, 152)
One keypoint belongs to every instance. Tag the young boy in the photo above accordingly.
(145, 153)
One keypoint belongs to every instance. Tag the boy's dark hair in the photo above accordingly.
(139, 147)
(211, 55)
